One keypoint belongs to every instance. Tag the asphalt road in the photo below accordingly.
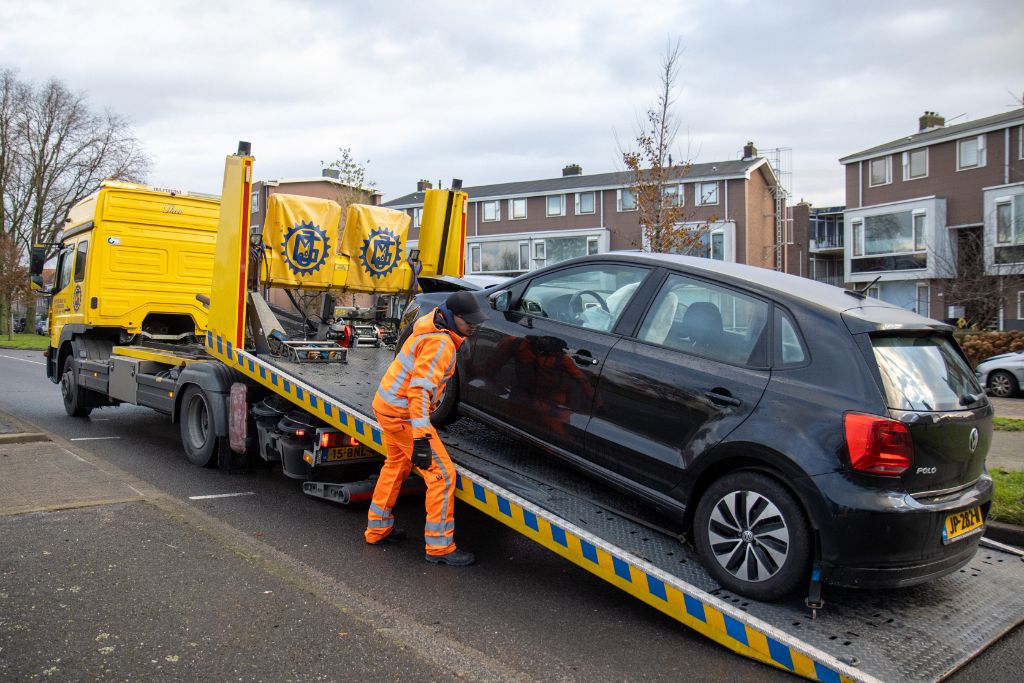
(521, 605)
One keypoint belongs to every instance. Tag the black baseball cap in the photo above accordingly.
(466, 306)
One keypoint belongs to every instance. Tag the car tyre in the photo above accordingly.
(1002, 384)
(76, 399)
(198, 436)
(752, 536)
(447, 410)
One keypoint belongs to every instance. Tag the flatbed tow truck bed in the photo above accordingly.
(922, 633)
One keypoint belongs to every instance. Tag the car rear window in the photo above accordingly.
(923, 373)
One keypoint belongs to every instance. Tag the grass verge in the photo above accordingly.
(1008, 501)
(1007, 424)
(25, 341)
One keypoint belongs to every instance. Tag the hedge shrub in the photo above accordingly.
(981, 345)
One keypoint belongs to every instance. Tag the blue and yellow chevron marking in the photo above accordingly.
(696, 609)
(313, 402)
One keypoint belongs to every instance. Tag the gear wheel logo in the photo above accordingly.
(305, 248)
(76, 298)
(381, 252)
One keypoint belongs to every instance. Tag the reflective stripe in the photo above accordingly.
(380, 512)
(380, 523)
(418, 422)
(439, 541)
(439, 527)
(423, 382)
(447, 484)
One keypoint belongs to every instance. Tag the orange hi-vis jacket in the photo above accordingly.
(411, 385)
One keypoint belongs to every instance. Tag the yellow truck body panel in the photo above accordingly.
(132, 251)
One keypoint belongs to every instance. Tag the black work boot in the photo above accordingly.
(456, 558)
(396, 536)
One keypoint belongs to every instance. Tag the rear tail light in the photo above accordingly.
(332, 439)
(878, 445)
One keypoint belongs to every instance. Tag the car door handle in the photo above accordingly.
(582, 357)
(722, 399)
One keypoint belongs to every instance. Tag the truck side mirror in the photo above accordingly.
(37, 261)
(500, 301)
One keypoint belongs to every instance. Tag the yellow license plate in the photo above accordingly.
(348, 453)
(960, 524)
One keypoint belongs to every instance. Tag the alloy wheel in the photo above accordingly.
(748, 535)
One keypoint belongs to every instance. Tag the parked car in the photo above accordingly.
(19, 325)
(1002, 375)
(43, 326)
(781, 421)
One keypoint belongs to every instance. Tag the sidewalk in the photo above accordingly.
(104, 578)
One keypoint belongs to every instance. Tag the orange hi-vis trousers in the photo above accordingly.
(439, 530)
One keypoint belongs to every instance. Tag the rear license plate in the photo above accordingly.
(960, 524)
(348, 453)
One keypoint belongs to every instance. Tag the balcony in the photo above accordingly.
(826, 244)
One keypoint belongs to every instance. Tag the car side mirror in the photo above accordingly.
(500, 301)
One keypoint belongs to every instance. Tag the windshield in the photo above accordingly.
(923, 373)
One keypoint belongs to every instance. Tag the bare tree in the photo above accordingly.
(13, 281)
(656, 180)
(56, 150)
(981, 295)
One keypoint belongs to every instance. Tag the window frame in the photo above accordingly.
(475, 258)
(887, 159)
(1020, 304)
(914, 216)
(417, 217)
(1008, 203)
(675, 193)
(593, 203)
(619, 194)
(857, 237)
(980, 152)
(496, 205)
(699, 196)
(908, 164)
(81, 256)
(875, 292)
(561, 205)
(927, 299)
(512, 203)
(254, 201)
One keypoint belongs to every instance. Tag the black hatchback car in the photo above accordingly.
(780, 420)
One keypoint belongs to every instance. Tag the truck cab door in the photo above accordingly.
(69, 291)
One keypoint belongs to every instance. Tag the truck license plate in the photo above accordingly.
(348, 453)
(960, 524)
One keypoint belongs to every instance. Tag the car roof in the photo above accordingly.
(864, 313)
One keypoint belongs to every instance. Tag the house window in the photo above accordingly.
(474, 258)
(516, 209)
(500, 257)
(858, 238)
(920, 234)
(592, 246)
(556, 205)
(1020, 305)
(417, 217)
(711, 245)
(672, 195)
(538, 254)
(915, 164)
(584, 202)
(625, 200)
(874, 292)
(254, 202)
(524, 255)
(1010, 221)
(922, 299)
(1004, 223)
(970, 153)
(707, 194)
(492, 211)
(881, 171)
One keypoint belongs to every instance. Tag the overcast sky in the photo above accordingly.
(492, 92)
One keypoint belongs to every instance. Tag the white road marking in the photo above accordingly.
(24, 360)
(94, 438)
(223, 495)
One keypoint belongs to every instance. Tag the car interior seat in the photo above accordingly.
(702, 326)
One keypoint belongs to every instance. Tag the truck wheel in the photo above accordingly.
(447, 411)
(76, 402)
(197, 433)
(752, 536)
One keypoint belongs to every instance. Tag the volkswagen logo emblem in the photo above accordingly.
(972, 440)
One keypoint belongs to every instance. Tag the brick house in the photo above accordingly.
(913, 204)
(515, 227)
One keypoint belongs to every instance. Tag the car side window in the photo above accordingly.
(700, 318)
(591, 296)
(789, 350)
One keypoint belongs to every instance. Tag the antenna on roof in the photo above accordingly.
(862, 292)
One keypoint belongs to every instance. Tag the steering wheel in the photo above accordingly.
(576, 302)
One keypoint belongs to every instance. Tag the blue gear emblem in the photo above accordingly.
(381, 252)
(76, 298)
(305, 248)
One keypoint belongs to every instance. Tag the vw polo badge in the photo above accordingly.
(972, 440)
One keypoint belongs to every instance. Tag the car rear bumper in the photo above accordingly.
(878, 538)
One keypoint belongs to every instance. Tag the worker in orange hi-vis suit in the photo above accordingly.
(411, 387)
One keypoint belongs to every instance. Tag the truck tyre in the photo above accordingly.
(447, 410)
(76, 401)
(752, 536)
(198, 436)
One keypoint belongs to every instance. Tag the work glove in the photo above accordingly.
(422, 456)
